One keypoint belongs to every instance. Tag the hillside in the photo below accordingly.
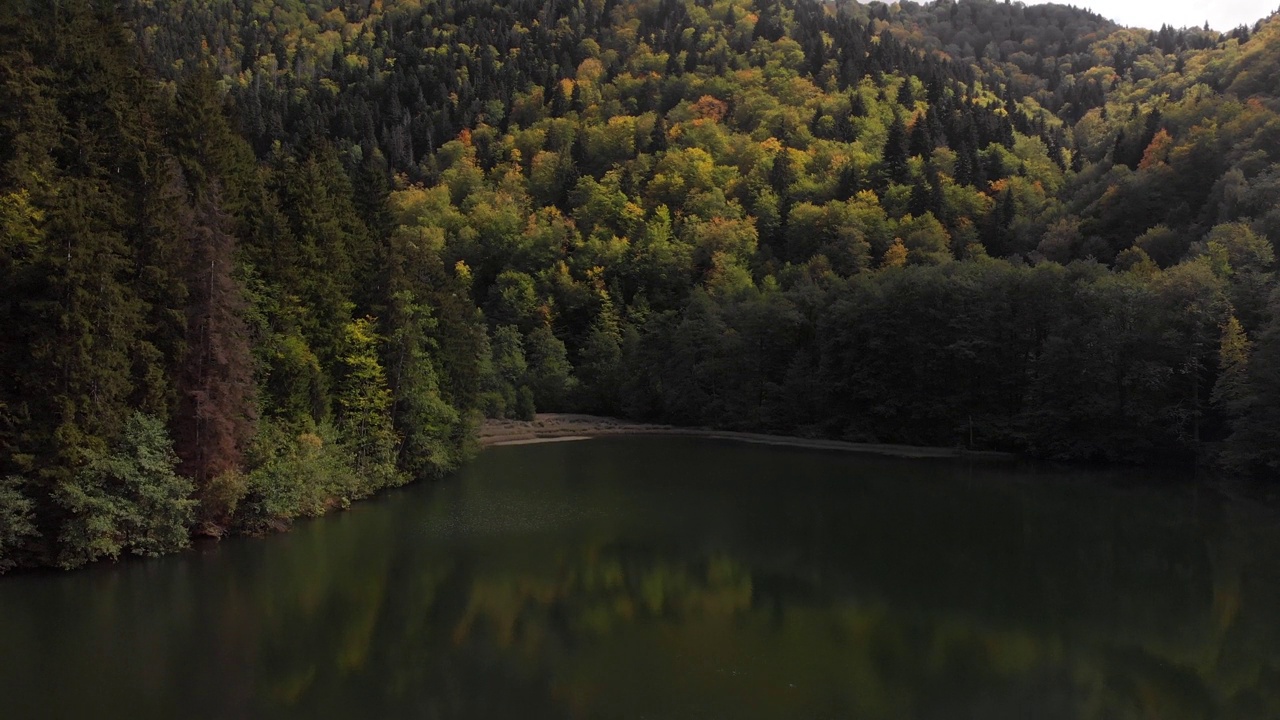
(263, 259)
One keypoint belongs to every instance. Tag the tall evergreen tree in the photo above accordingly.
(893, 163)
(1250, 391)
(217, 408)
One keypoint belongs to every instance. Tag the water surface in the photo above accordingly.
(684, 578)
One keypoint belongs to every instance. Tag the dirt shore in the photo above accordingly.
(560, 427)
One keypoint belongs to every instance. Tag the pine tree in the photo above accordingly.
(601, 358)
(851, 181)
(906, 95)
(431, 430)
(921, 144)
(364, 408)
(893, 166)
(1230, 393)
(1250, 393)
(217, 409)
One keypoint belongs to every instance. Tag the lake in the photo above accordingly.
(657, 577)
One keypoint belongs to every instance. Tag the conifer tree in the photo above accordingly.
(430, 429)
(1250, 391)
(894, 159)
(217, 409)
(364, 408)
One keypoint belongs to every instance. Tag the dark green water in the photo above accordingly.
(681, 578)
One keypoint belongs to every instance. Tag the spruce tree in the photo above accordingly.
(894, 159)
(217, 408)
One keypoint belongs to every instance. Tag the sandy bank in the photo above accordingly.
(559, 427)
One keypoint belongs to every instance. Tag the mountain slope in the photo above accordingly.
(289, 253)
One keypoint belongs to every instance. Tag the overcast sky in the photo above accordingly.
(1222, 15)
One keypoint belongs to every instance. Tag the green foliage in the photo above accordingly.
(155, 267)
(550, 376)
(513, 300)
(17, 526)
(431, 429)
(507, 394)
(20, 228)
(1251, 393)
(668, 180)
(1234, 348)
(296, 383)
(130, 499)
(926, 241)
(600, 365)
(295, 472)
(863, 223)
(364, 405)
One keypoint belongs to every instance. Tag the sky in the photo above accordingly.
(1222, 15)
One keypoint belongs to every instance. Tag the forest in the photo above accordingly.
(259, 260)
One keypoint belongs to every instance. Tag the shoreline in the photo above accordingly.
(566, 427)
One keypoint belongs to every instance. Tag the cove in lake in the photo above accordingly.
(682, 578)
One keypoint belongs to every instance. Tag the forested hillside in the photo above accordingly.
(260, 259)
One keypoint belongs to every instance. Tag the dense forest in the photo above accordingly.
(261, 259)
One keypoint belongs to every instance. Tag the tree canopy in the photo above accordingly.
(262, 259)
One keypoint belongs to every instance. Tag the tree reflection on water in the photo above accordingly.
(681, 578)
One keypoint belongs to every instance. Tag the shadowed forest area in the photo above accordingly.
(261, 259)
